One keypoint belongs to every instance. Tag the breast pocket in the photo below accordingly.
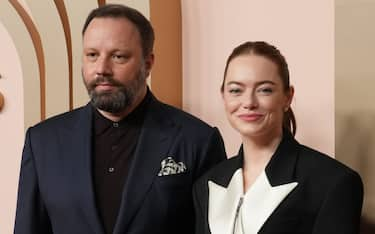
(174, 181)
(173, 195)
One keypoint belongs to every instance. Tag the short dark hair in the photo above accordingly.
(270, 52)
(142, 24)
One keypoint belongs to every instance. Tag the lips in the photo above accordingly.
(250, 117)
(104, 86)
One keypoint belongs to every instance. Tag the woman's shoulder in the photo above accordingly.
(313, 163)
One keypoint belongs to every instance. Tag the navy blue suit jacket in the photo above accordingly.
(56, 193)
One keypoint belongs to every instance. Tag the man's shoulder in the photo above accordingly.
(64, 119)
(183, 117)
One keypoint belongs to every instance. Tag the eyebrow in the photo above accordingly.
(257, 83)
(266, 82)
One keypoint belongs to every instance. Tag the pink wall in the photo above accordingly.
(11, 129)
(212, 28)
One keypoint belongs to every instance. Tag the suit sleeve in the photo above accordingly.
(31, 215)
(341, 210)
(213, 153)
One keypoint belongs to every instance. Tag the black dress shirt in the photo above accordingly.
(114, 147)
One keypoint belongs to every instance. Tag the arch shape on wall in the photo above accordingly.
(37, 42)
(68, 39)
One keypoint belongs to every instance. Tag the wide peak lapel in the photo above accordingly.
(77, 155)
(281, 168)
(222, 203)
(154, 141)
(260, 201)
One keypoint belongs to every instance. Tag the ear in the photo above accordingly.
(290, 95)
(149, 62)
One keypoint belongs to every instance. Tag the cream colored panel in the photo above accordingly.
(77, 13)
(355, 70)
(30, 72)
(11, 123)
(355, 109)
(51, 32)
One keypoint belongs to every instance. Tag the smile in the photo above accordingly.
(250, 117)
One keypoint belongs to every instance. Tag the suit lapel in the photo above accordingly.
(78, 149)
(260, 201)
(281, 168)
(153, 144)
(223, 202)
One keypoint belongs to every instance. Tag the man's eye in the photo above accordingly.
(91, 55)
(119, 58)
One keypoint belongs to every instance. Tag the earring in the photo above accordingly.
(286, 109)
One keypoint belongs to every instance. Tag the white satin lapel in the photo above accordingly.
(260, 201)
(222, 204)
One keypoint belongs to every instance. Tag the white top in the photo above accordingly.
(230, 211)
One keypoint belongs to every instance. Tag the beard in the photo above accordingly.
(122, 98)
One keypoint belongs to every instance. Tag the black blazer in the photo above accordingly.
(307, 192)
(56, 193)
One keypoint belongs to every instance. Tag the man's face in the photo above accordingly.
(114, 70)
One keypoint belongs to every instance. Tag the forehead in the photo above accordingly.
(111, 30)
(251, 67)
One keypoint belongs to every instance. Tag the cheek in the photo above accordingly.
(126, 72)
(85, 74)
(276, 109)
(231, 105)
(272, 104)
(86, 70)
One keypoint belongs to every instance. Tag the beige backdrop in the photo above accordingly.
(210, 30)
(355, 83)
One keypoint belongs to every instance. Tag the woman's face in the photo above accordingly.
(254, 96)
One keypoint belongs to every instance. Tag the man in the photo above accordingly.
(124, 163)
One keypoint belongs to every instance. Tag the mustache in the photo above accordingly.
(104, 79)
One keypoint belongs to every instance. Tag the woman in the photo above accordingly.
(274, 184)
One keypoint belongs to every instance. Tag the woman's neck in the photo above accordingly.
(257, 153)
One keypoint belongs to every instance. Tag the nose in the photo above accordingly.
(103, 66)
(250, 101)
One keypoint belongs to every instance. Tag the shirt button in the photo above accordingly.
(115, 125)
(111, 169)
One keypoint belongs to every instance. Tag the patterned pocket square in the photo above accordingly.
(171, 167)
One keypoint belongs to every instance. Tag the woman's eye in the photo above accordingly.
(266, 90)
(234, 91)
